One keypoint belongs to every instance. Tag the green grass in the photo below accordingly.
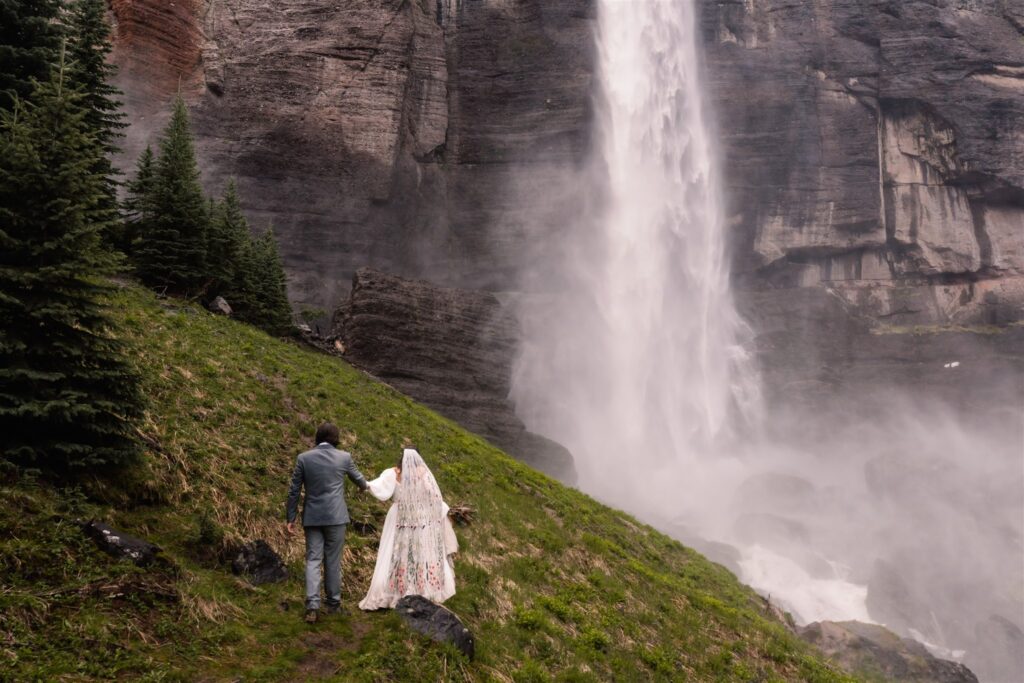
(555, 586)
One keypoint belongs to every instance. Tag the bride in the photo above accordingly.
(418, 540)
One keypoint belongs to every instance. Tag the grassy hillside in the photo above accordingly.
(554, 585)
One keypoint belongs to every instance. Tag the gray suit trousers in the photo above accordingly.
(323, 549)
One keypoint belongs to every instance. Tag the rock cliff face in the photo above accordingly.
(450, 349)
(396, 133)
(876, 148)
(871, 146)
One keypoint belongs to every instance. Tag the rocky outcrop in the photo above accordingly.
(401, 134)
(451, 349)
(876, 148)
(874, 651)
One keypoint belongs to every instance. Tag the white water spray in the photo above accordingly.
(641, 346)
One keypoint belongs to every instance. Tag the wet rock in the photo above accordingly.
(997, 652)
(435, 622)
(220, 306)
(121, 545)
(258, 562)
(451, 349)
(871, 649)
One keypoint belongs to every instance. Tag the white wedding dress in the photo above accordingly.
(418, 540)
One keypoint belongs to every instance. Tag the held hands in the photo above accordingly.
(290, 527)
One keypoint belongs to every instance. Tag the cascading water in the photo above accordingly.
(635, 358)
(641, 346)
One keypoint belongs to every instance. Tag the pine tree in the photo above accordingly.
(244, 295)
(171, 251)
(89, 68)
(91, 72)
(138, 203)
(67, 395)
(228, 239)
(263, 284)
(29, 42)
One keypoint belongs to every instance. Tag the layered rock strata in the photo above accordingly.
(403, 134)
(450, 349)
(876, 148)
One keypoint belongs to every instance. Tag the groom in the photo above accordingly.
(322, 472)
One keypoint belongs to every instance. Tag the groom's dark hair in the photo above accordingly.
(328, 432)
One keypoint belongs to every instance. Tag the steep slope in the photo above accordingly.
(553, 584)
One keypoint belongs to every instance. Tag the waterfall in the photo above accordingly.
(633, 356)
(636, 361)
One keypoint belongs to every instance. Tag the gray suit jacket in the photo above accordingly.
(322, 471)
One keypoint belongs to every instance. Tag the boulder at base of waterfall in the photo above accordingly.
(865, 649)
(121, 545)
(220, 305)
(435, 622)
(258, 562)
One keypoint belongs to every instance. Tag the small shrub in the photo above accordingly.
(529, 619)
(595, 640)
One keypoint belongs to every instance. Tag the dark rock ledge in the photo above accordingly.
(451, 349)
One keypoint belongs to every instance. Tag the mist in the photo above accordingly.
(875, 497)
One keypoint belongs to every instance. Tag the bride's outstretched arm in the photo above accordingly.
(383, 487)
(451, 541)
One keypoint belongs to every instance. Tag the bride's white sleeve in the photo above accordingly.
(383, 487)
(451, 541)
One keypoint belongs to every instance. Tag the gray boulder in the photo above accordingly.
(220, 306)
(435, 622)
(869, 649)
